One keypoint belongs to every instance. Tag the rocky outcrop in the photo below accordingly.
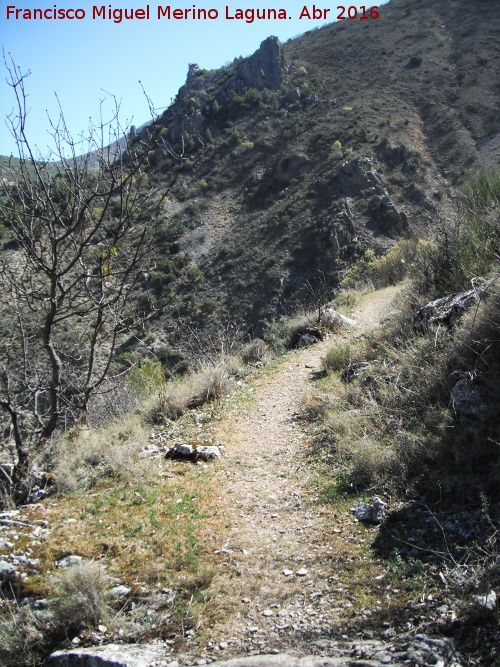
(191, 125)
(266, 67)
(423, 650)
(397, 156)
(357, 177)
(334, 320)
(388, 218)
(291, 166)
(337, 232)
(448, 309)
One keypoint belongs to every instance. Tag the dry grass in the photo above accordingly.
(80, 596)
(209, 383)
(344, 353)
(256, 351)
(82, 456)
(151, 534)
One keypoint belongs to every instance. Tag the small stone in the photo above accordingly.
(302, 572)
(253, 629)
(75, 641)
(245, 600)
(274, 516)
(389, 633)
(69, 561)
(6, 569)
(119, 592)
(101, 628)
(287, 573)
(223, 646)
(267, 612)
(488, 601)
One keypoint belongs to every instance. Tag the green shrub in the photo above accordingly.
(337, 149)
(236, 136)
(306, 89)
(388, 269)
(194, 275)
(416, 61)
(209, 307)
(147, 378)
(363, 134)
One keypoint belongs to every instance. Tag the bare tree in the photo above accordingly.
(80, 227)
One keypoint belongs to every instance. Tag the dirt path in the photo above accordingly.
(286, 558)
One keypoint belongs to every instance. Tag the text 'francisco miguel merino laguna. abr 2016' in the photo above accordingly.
(249, 15)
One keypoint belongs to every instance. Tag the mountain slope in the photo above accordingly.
(361, 136)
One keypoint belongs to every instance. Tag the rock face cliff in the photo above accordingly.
(266, 68)
(204, 91)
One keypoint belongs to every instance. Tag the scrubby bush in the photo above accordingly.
(343, 354)
(255, 351)
(337, 149)
(403, 259)
(210, 383)
(83, 456)
(78, 602)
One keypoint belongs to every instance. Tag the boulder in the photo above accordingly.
(388, 218)
(376, 512)
(119, 592)
(69, 561)
(306, 340)
(290, 167)
(332, 319)
(468, 399)
(6, 569)
(448, 309)
(285, 660)
(488, 601)
(194, 452)
(110, 655)
(357, 175)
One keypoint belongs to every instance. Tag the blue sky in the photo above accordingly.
(79, 59)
